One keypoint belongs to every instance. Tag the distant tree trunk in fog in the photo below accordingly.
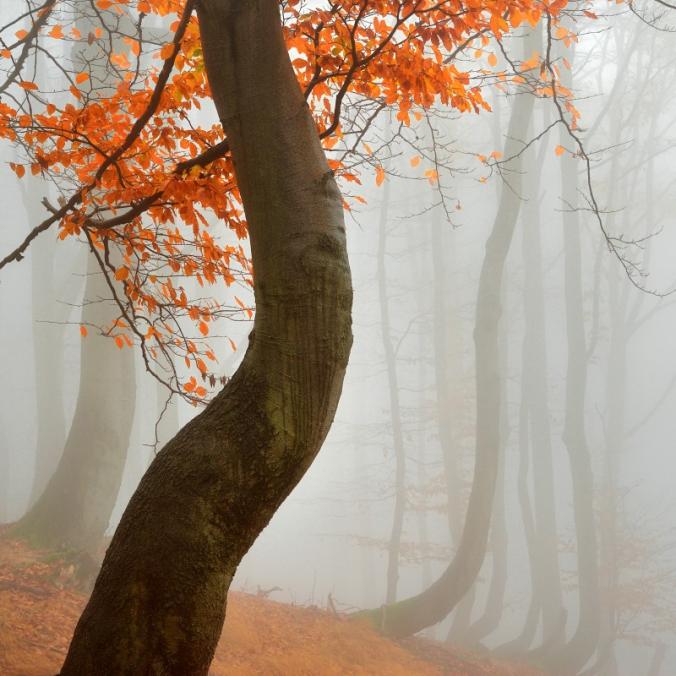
(394, 545)
(49, 313)
(446, 376)
(437, 601)
(489, 619)
(75, 507)
(159, 602)
(522, 643)
(616, 383)
(424, 414)
(614, 416)
(536, 388)
(581, 647)
(659, 653)
(48, 347)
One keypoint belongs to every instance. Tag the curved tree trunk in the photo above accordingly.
(159, 602)
(522, 643)
(437, 601)
(74, 509)
(490, 617)
(492, 613)
(577, 652)
(446, 375)
(535, 368)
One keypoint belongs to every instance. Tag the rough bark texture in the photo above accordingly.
(75, 507)
(437, 601)
(159, 602)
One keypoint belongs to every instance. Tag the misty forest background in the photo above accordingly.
(587, 360)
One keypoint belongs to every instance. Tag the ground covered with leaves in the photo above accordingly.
(39, 607)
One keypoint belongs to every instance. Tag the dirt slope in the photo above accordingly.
(39, 609)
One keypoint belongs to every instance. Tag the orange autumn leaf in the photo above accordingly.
(380, 175)
(121, 273)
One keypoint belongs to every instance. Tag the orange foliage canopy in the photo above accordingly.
(138, 174)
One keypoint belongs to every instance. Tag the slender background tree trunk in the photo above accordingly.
(394, 545)
(437, 601)
(577, 652)
(75, 507)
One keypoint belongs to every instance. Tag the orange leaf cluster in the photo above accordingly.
(153, 189)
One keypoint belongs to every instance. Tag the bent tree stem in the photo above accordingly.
(159, 602)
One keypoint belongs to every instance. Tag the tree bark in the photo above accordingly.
(159, 602)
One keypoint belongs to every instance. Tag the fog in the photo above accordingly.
(584, 374)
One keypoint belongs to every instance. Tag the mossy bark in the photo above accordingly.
(159, 603)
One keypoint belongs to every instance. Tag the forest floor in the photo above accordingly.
(39, 608)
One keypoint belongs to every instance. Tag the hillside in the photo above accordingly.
(39, 608)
